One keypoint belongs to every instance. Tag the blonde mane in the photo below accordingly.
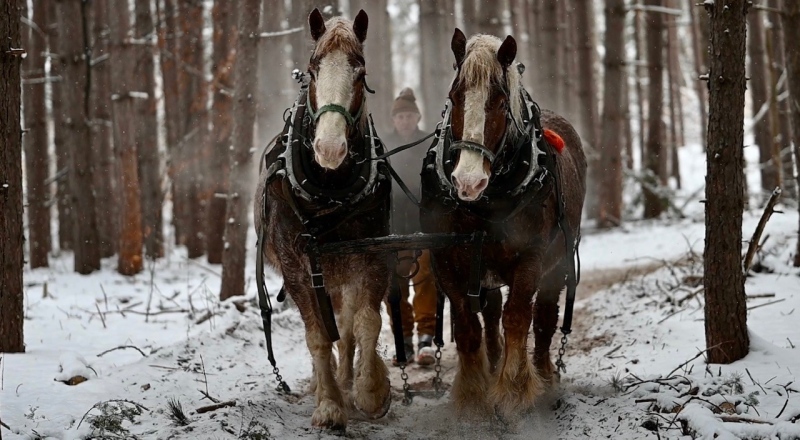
(481, 70)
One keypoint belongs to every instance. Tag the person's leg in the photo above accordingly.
(406, 311)
(425, 308)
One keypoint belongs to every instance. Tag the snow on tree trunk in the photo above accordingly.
(653, 162)
(11, 245)
(123, 59)
(36, 139)
(241, 165)
(75, 99)
(791, 32)
(725, 310)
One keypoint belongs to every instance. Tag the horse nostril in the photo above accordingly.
(455, 181)
(482, 184)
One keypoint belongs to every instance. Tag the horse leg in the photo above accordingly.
(545, 321)
(472, 377)
(517, 384)
(330, 410)
(491, 321)
(372, 394)
(346, 345)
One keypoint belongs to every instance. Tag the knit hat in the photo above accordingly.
(405, 102)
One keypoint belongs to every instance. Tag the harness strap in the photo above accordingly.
(402, 185)
(394, 305)
(474, 288)
(323, 299)
(336, 108)
(404, 147)
(476, 147)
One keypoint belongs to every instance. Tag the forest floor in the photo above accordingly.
(635, 367)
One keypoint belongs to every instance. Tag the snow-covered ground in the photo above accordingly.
(631, 372)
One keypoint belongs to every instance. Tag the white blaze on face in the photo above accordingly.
(469, 177)
(334, 86)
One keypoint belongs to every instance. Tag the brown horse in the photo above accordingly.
(320, 183)
(487, 172)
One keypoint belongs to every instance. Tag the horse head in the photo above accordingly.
(485, 98)
(336, 94)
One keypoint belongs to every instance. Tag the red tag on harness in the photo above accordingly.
(554, 139)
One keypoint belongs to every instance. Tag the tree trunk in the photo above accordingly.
(437, 59)
(63, 199)
(674, 88)
(762, 129)
(123, 60)
(784, 119)
(147, 133)
(193, 147)
(489, 15)
(168, 43)
(791, 32)
(275, 92)
(699, 51)
(223, 16)
(104, 176)
(470, 18)
(776, 162)
(587, 112)
(654, 169)
(378, 55)
(725, 311)
(609, 162)
(552, 93)
(244, 74)
(521, 28)
(37, 159)
(12, 257)
(301, 41)
(638, 74)
(75, 96)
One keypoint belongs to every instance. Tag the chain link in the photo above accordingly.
(406, 389)
(282, 386)
(437, 381)
(560, 365)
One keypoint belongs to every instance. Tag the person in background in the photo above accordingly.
(405, 220)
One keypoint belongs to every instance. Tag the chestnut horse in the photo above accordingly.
(487, 172)
(320, 183)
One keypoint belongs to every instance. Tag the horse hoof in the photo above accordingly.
(329, 416)
(372, 415)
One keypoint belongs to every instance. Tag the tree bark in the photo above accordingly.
(11, 246)
(776, 162)
(674, 88)
(123, 59)
(63, 199)
(223, 16)
(37, 159)
(193, 147)
(378, 55)
(762, 129)
(725, 311)
(75, 96)
(233, 259)
(301, 41)
(168, 43)
(104, 176)
(609, 164)
(436, 24)
(699, 51)
(152, 196)
(275, 93)
(552, 93)
(784, 119)
(638, 74)
(654, 163)
(587, 111)
(791, 32)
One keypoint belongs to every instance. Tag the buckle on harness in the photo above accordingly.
(317, 280)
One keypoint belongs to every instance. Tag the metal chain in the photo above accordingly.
(437, 381)
(282, 386)
(406, 389)
(560, 365)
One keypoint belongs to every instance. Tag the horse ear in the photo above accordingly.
(360, 25)
(316, 23)
(459, 45)
(507, 51)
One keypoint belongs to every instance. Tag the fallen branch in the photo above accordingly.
(767, 304)
(216, 406)
(760, 295)
(738, 419)
(122, 347)
(690, 360)
(4, 425)
(102, 318)
(753, 246)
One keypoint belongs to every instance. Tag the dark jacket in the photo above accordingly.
(408, 164)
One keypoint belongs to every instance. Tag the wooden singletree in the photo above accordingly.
(791, 32)
(122, 58)
(36, 138)
(241, 163)
(725, 310)
(11, 253)
(75, 52)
